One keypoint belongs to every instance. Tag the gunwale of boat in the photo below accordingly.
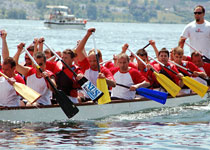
(88, 103)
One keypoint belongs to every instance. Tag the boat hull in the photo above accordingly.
(91, 111)
(56, 25)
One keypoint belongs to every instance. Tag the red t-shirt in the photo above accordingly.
(52, 66)
(189, 65)
(173, 76)
(206, 67)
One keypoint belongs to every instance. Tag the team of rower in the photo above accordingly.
(123, 71)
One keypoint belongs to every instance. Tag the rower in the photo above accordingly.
(8, 96)
(35, 79)
(198, 61)
(88, 62)
(178, 58)
(127, 76)
(163, 57)
(65, 79)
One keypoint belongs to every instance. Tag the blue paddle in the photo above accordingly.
(157, 96)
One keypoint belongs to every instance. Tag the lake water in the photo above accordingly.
(183, 127)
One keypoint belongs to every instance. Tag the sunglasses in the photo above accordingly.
(40, 64)
(198, 13)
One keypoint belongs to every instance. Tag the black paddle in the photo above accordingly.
(65, 103)
(86, 85)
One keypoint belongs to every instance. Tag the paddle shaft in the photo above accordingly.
(65, 103)
(188, 70)
(97, 59)
(75, 74)
(163, 65)
(89, 88)
(146, 46)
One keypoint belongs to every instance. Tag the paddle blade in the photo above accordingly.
(66, 104)
(102, 86)
(195, 86)
(157, 96)
(169, 85)
(26, 92)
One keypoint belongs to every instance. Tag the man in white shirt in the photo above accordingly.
(198, 33)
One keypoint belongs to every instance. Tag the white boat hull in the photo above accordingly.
(55, 25)
(92, 111)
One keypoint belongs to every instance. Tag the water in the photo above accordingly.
(183, 127)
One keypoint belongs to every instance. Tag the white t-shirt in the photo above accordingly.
(8, 95)
(199, 36)
(39, 85)
(129, 78)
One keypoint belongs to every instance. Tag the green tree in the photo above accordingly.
(92, 12)
(16, 14)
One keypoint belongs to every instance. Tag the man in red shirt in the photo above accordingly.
(88, 63)
(163, 57)
(127, 76)
(197, 60)
(178, 58)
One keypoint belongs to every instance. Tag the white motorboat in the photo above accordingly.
(60, 18)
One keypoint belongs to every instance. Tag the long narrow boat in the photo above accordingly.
(89, 111)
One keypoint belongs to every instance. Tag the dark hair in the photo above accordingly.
(98, 52)
(39, 55)
(141, 52)
(196, 54)
(163, 50)
(203, 9)
(30, 47)
(9, 60)
(69, 52)
(49, 51)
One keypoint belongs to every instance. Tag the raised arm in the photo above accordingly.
(182, 41)
(21, 69)
(5, 50)
(80, 48)
(41, 40)
(152, 43)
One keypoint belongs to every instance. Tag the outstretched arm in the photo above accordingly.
(152, 43)
(80, 48)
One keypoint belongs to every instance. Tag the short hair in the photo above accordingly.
(163, 50)
(141, 52)
(178, 50)
(9, 60)
(98, 52)
(69, 52)
(123, 55)
(203, 9)
(39, 55)
(30, 47)
(196, 54)
(49, 51)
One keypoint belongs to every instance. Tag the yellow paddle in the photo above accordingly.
(194, 85)
(25, 91)
(169, 85)
(101, 83)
